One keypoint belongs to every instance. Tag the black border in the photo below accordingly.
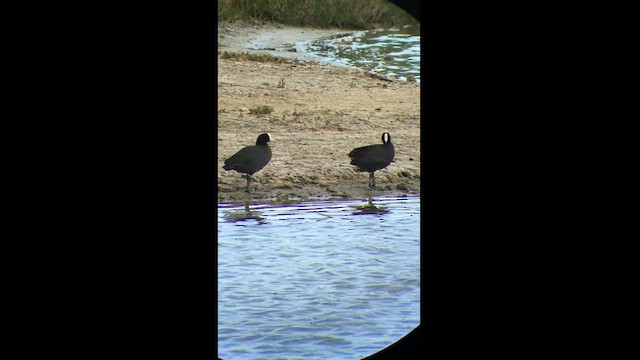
(115, 155)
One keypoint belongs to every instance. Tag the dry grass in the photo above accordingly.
(358, 14)
(261, 58)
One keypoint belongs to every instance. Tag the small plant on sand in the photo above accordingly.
(281, 83)
(274, 119)
(262, 109)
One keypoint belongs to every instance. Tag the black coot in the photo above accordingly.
(373, 157)
(251, 158)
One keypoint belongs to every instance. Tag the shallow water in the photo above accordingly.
(317, 280)
(391, 52)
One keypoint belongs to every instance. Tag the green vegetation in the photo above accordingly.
(355, 14)
(262, 109)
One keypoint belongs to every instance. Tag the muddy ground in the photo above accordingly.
(320, 113)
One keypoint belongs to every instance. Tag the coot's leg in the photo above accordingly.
(248, 182)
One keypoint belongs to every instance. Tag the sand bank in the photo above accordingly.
(320, 112)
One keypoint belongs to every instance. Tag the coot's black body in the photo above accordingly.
(373, 157)
(250, 159)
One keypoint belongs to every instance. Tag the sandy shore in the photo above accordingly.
(320, 114)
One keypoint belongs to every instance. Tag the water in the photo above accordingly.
(317, 280)
(391, 52)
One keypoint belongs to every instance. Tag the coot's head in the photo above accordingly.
(263, 139)
(386, 138)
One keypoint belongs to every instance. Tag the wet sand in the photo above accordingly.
(320, 113)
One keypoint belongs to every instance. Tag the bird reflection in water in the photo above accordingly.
(370, 208)
(244, 215)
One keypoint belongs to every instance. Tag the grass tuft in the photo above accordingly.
(261, 110)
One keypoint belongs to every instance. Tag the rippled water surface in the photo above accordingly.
(391, 52)
(317, 280)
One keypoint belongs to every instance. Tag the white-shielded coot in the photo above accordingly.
(373, 157)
